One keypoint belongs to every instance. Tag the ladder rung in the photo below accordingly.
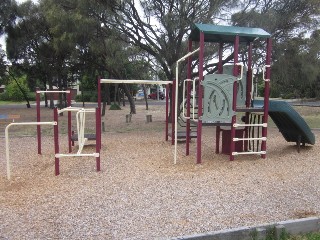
(242, 139)
(243, 153)
(250, 125)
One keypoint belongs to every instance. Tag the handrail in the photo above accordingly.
(263, 73)
(6, 133)
(184, 97)
(241, 72)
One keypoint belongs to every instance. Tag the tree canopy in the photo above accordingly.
(58, 42)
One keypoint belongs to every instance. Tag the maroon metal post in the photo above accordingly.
(218, 131)
(38, 120)
(200, 94)
(72, 140)
(99, 92)
(69, 121)
(234, 99)
(98, 138)
(99, 106)
(220, 67)
(56, 141)
(266, 95)
(220, 71)
(173, 109)
(188, 100)
(167, 112)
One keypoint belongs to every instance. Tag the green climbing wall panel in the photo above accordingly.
(217, 105)
(242, 84)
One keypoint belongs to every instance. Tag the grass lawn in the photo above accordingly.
(309, 236)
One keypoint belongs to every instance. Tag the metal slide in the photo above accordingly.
(290, 123)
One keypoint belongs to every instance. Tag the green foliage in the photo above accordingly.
(87, 97)
(14, 91)
(4, 96)
(115, 107)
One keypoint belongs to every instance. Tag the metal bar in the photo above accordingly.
(188, 54)
(173, 115)
(266, 94)
(167, 112)
(234, 98)
(53, 91)
(218, 131)
(159, 82)
(220, 67)
(254, 138)
(188, 100)
(56, 142)
(250, 125)
(99, 92)
(61, 155)
(38, 120)
(6, 133)
(77, 109)
(98, 140)
(69, 122)
(247, 153)
(200, 94)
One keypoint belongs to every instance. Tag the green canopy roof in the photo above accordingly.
(225, 34)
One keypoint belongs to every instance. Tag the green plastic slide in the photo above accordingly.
(290, 123)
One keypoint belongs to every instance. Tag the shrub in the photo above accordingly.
(87, 97)
(14, 91)
(4, 96)
(115, 107)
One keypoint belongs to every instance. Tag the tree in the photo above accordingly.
(162, 27)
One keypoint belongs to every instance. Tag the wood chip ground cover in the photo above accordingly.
(140, 193)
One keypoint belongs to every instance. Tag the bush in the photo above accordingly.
(32, 96)
(4, 96)
(115, 107)
(14, 91)
(87, 97)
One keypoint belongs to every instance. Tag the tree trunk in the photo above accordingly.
(107, 91)
(145, 96)
(104, 98)
(115, 93)
(130, 99)
(51, 96)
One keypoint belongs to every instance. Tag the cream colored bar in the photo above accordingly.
(7, 139)
(60, 155)
(250, 125)
(76, 109)
(250, 139)
(246, 153)
(134, 81)
(54, 91)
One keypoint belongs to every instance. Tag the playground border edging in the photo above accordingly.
(259, 232)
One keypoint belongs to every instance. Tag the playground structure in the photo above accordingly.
(80, 117)
(221, 95)
(228, 91)
(80, 136)
(218, 98)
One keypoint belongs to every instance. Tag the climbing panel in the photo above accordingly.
(218, 94)
(242, 83)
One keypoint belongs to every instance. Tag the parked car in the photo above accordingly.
(154, 95)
